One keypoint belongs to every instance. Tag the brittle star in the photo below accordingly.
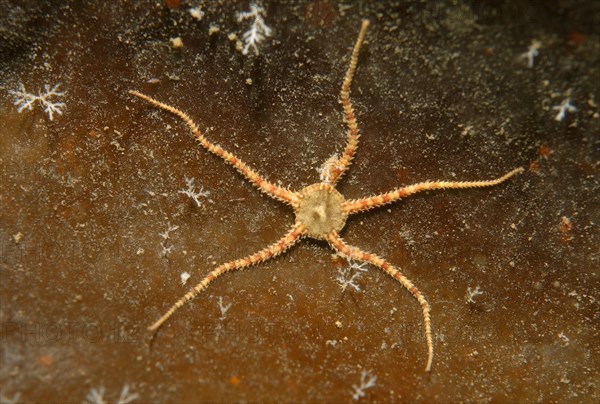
(321, 211)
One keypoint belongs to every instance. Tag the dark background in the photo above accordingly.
(440, 93)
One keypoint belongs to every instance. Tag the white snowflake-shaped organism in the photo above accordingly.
(96, 396)
(471, 293)
(166, 235)
(25, 100)
(532, 52)
(348, 275)
(258, 31)
(367, 381)
(191, 191)
(563, 108)
(223, 308)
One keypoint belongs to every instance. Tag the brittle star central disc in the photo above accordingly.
(321, 210)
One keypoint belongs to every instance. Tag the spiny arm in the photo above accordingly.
(359, 205)
(272, 190)
(355, 253)
(271, 251)
(340, 166)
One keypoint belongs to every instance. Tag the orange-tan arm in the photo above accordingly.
(340, 166)
(271, 251)
(272, 190)
(337, 244)
(359, 205)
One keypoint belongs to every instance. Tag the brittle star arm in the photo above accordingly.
(272, 190)
(358, 205)
(352, 143)
(337, 244)
(269, 252)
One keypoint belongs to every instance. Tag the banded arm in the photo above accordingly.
(269, 252)
(282, 194)
(337, 170)
(355, 253)
(359, 205)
